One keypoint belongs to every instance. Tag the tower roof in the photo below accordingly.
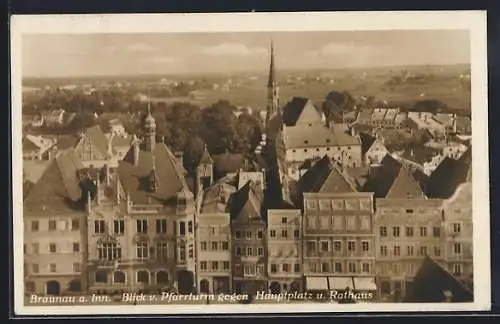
(272, 71)
(205, 157)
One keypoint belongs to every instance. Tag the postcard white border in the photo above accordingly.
(474, 21)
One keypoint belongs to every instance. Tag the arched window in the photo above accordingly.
(162, 277)
(118, 277)
(75, 285)
(101, 276)
(143, 277)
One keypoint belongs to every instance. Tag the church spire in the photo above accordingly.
(150, 128)
(272, 93)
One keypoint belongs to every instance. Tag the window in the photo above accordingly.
(284, 220)
(311, 247)
(351, 246)
(225, 265)
(351, 223)
(285, 267)
(143, 277)
(76, 267)
(260, 234)
(76, 247)
(284, 233)
(142, 250)
(175, 227)
(325, 267)
(423, 231)
(142, 226)
(249, 270)
(365, 245)
(383, 250)
(324, 222)
(119, 227)
(52, 225)
(423, 250)
(410, 250)
(457, 228)
(409, 231)
(260, 251)
(272, 233)
(274, 268)
(365, 267)
(215, 265)
(457, 248)
(182, 228)
(34, 226)
(383, 231)
(161, 226)
(52, 248)
(109, 251)
(214, 246)
(237, 234)
(75, 224)
(237, 269)
(35, 268)
(237, 251)
(203, 265)
(119, 277)
(312, 267)
(395, 231)
(99, 227)
(409, 211)
(324, 246)
(337, 246)
(437, 251)
(249, 251)
(457, 269)
(436, 231)
(225, 245)
(296, 267)
(352, 267)
(311, 222)
(190, 226)
(162, 250)
(52, 267)
(338, 267)
(248, 234)
(296, 233)
(365, 222)
(397, 250)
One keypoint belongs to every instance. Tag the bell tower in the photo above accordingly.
(204, 171)
(272, 108)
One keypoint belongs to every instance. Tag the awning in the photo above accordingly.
(316, 283)
(364, 283)
(340, 283)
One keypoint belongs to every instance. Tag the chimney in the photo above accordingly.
(180, 157)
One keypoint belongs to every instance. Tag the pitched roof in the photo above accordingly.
(120, 141)
(66, 141)
(59, 188)
(318, 135)
(432, 283)
(300, 110)
(314, 178)
(365, 115)
(405, 185)
(135, 178)
(449, 174)
(337, 182)
(98, 138)
(216, 198)
(366, 141)
(381, 178)
(246, 204)
(205, 158)
(29, 145)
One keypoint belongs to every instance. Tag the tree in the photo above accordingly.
(336, 103)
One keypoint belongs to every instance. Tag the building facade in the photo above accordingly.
(284, 246)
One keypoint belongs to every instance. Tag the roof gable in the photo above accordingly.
(300, 111)
(309, 114)
(405, 186)
(246, 204)
(337, 182)
(205, 158)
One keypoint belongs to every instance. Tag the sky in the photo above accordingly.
(63, 55)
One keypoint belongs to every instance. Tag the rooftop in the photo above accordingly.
(317, 136)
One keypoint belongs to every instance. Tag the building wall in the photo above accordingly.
(347, 155)
(249, 271)
(213, 256)
(53, 252)
(458, 228)
(338, 238)
(407, 231)
(284, 245)
(375, 153)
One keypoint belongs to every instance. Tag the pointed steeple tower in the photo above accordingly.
(154, 182)
(149, 128)
(272, 92)
(204, 171)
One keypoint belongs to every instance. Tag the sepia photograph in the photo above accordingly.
(236, 163)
